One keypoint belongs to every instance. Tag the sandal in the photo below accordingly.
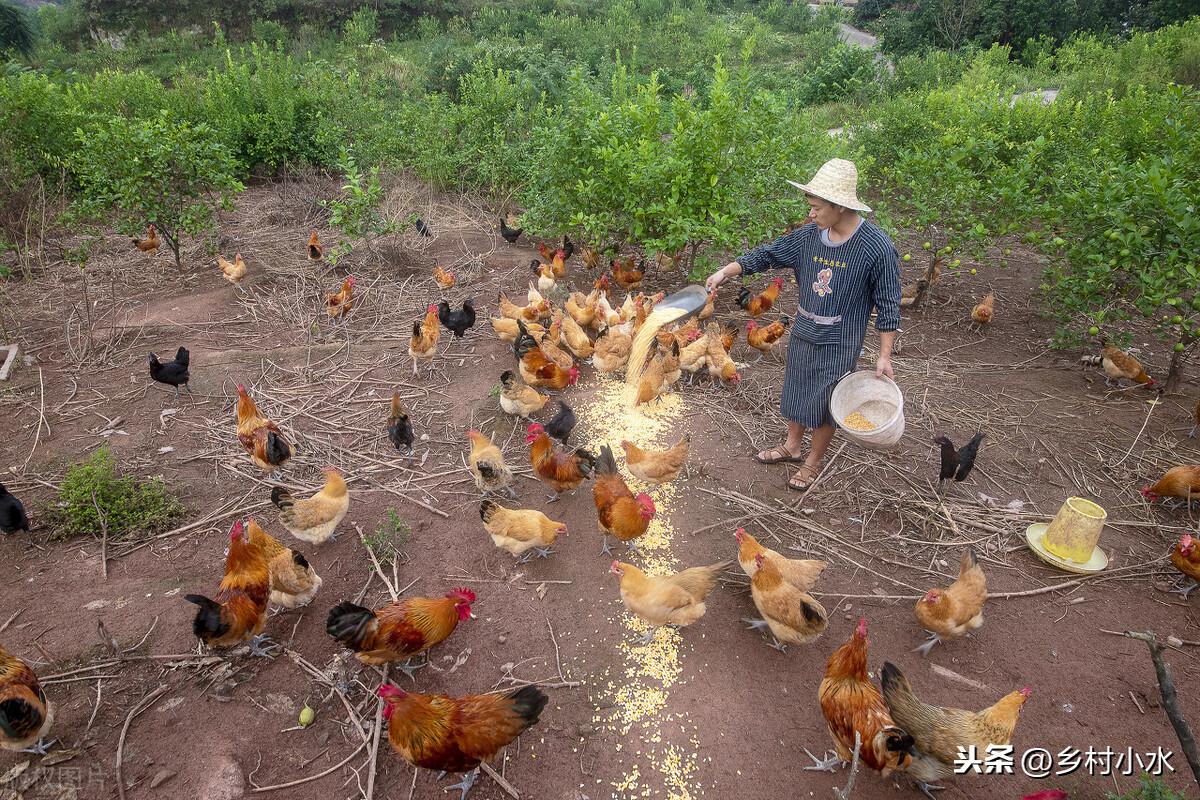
(796, 484)
(777, 455)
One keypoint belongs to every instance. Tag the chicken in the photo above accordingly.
(545, 281)
(792, 616)
(294, 582)
(534, 297)
(676, 598)
(799, 572)
(544, 251)
(239, 609)
(618, 510)
(728, 335)
(665, 261)
(340, 303)
(627, 276)
(558, 262)
(606, 315)
(260, 437)
(172, 373)
(912, 294)
(656, 379)
(693, 357)
(707, 310)
(982, 313)
(520, 530)
(940, 733)
(549, 346)
(951, 612)
(655, 466)
(1185, 558)
(1119, 365)
(509, 235)
(399, 426)
(610, 351)
(401, 629)
(591, 258)
(422, 228)
(762, 302)
(457, 322)
(537, 369)
(316, 250)
(517, 398)
(765, 338)
(957, 464)
(25, 714)
(150, 242)
(12, 514)
(507, 329)
(576, 338)
(450, 734)
(529, 313)
(422, 345)
(720, 366)
(314, 519)
(562, 423)
(567, 248)
(681, 335)
(443, 278)
(1182, 481)
(562, 472)
(487, 466)
(854, 710)
(233, 272)
(582, 309)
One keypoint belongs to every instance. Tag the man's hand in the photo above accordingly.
(721, 275)
(884, 367)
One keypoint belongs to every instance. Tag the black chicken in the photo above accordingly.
(524, 342)
(568, 247)
(399, 428)
(422, 228)
(562, 424)
(957, 464)
(457, 322)
(12, 513)
(510, 235)
(172, 373)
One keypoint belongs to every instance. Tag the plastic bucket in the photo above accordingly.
(879, 400)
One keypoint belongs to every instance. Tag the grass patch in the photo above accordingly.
(94, 488)
(391, 535)
(1148, 789)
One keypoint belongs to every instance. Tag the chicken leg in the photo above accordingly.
(607, 549)
(827, 764)
(465, 784)
(262, 646)
(40, 748)
(925, 648)
(928, 789)
(408, 668)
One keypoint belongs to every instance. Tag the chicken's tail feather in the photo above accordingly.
(278, 450)
(893, 682)
(588, 461)
(812, 614)
(486, 509)
(208, 623)
(969, 560)
(349, 623)
(528, 702)
(299, 560)
(282, 498)
(606, 464)
(743, 298)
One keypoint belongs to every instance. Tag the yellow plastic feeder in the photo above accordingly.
(1069, 541)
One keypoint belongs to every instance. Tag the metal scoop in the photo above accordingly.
(690, 299)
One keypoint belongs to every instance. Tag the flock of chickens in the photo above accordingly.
(887, 727)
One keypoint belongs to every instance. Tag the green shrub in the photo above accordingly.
(128, 505)
(1148, 789)
(390, 536)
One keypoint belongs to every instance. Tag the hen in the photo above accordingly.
(259, 436)
(792, 615)
(657, 379)
(693, 357)
(316, 250)
(487, 466)
(450, 734)
(1118, 366)
(1182, 482)
(508, 330)
(510, 235)
(12, 514)
(339, 304)
(801, 573)
(761, 303)
(520, 530)
(546, 283)
(764, 339)
(957, 464)
(235, 272)
(457, 322)
(293, 581)
(982, 313)
(25, 714)
(401, 629)
(720, 366)
(239, 610)
(561, 425)
(399, 426)
(677, 598)
(655, 466)
(618, 510)
(951, 612)
(576, 338)
(610, 351)
(1185, 558)
(582, 308)
(314, 519)
(627, 276)
(445, 279)
(517, 398)
(424, 340)
(172, 373)
(529, 313)
(150, 242)
(562, 472)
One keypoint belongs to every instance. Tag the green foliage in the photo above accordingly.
(125, 504)
(356, 212)
(159, 170)
(390, 536)
(1148, 789)
(844, 71)
(16, 32)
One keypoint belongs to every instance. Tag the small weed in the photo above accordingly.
(1149, 789)
(128, 505)
(494, 391)
(392, 533)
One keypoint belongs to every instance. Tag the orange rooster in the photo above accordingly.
(854, 711)
(150, 242)
(25, 714)
(239, 610)
(1182, 482)
(940, 734)
(316, 251)
(424, 340)
(982, 314)
(953, 611)
(443, 278)
(293, 581)
(450, 734)
(792, 616)
(799, 572)
(537, 369)
(655, 466)
(520, 530)
(562, 472)
(1186, 558)
(235, 272)
(764, 339)
(339, 304)
(762, 302)
(627, 276)
(261, 437)
(401, 629)
(618, 510)
(677, 598)
(314, 519)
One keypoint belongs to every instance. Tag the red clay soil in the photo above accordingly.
(716, 712)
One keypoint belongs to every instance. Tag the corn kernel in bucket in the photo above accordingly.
(857, 422)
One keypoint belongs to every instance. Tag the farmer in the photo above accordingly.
(844, 267)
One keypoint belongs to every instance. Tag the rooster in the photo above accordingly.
(510, 235)
(562, 423)
(792, 615)
(761, 303)
(982, 313)
(457, 322)
(677, 598)
(957, 464)
(487, 465)
(235, 272)
(1182, 482)
(399, 425)
(854, 711)
(801, 573)
(655, 466)
(25, 714)
(957, 609)
(1186, 558)
(293, 581)
(450, 734)
(519, 531)
(627, 276)
(314, 519)
(12, 514)
(401, 629)
(339, 304)
(239, 610)
(537, 369)
(260, 437)
(562, 472)
(172, 373)
(618, 510)
(316, 250)
(1118, 366)
(443, 278)
(150, 242)
(764, 339)
(423, 343)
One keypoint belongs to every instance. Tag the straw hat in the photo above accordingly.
(1069, 540)
(837, 182)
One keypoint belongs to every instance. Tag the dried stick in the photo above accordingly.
(142, 705)
(339, 765)
(508, 788)
(1166, 686)
(375, 742)
(41, 420)
(844, 794)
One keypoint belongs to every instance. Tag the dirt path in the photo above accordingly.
(708, 712)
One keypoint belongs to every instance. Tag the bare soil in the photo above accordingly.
(715, 712)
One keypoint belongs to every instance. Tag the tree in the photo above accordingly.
(158, 170)
(16, 33)
(954, 20)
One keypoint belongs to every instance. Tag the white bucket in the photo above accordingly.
(877, 399)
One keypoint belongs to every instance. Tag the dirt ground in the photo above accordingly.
(711, 712)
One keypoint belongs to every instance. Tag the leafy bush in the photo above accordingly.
(357, 211)
(16, 31)
(842, 72)
(390, 536)
(1148, 789)
(128, 505)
